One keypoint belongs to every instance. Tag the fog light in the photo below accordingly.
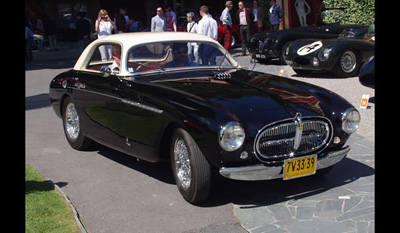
(336, 140)
(244, 155)
(315, 61)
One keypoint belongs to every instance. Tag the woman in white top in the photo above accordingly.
(103, 28)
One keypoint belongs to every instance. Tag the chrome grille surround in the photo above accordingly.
(278, 141)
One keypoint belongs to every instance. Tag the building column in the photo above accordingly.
(284, 4)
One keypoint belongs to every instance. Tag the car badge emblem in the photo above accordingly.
(221, 76)
(299, 131)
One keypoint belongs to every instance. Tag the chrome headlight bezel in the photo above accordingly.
(323, 55)
(231, 136)
(350, 120)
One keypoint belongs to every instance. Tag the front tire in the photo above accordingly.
(191, 170)
(348, 64)
(73, 128)
(283, 55)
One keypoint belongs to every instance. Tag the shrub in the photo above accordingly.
(356, 11)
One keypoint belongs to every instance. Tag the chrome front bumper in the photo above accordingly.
(262, 172)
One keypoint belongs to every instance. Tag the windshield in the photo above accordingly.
(176, 55)
(331, 16)
(356, 33)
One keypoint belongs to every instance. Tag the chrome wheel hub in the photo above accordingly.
(348, 62)
(182, 163)
(72, 124)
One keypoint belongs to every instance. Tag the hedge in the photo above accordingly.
(356, 11)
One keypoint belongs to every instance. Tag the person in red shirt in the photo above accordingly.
(227, 25)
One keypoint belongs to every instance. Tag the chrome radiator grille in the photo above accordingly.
(292, 138)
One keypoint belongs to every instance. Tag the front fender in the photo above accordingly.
(59, 89)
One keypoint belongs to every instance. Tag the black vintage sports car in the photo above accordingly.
(152, 102)
(265, 46)
(343, 56)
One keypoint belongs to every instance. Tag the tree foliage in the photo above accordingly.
(355, 11)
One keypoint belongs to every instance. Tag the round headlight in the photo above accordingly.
(350, 120)
(231, 136)
(323, 55)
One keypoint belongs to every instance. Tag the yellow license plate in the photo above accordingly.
(300, 167)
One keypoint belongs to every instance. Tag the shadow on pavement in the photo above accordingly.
(264, 193)
(37, 101)
(161, 171)
(257, 193)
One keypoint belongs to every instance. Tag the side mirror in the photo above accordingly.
(105, 71)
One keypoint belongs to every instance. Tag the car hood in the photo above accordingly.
(244, 92)
(253, 99)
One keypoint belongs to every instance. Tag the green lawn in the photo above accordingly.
(45, 208)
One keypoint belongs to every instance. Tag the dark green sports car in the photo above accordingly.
(343, 56)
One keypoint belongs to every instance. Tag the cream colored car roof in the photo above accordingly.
(128, 40)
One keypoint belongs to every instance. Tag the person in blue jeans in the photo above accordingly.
(275, 15)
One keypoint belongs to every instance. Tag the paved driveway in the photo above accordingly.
(116, 193)
(343, 200)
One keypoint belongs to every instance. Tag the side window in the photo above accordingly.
(149, 57)
(105, 55)
(175, 54)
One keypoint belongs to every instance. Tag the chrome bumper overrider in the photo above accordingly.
(262, 172)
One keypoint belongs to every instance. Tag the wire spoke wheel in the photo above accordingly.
(348, 61)
(72, 123)
(191, 170)
(73, 128)
(182, 163)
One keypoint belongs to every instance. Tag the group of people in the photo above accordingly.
(250, 21)
(34, 25)
(206, 26)
(164, 21)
